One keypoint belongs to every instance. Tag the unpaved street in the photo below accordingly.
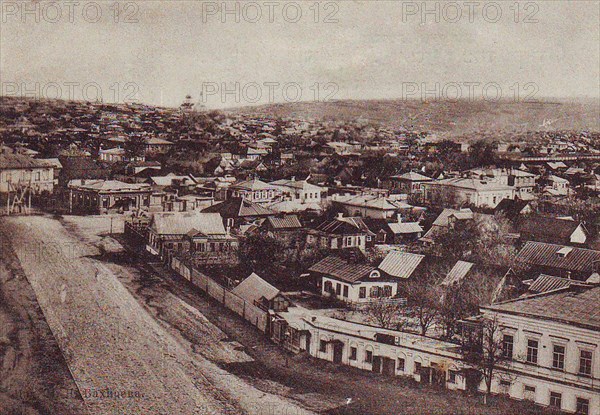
(122, 359)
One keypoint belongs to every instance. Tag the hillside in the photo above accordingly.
(450, 119)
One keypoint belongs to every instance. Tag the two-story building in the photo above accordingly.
(19, 170)
(553, 342)
(340, 233)
(255, 191)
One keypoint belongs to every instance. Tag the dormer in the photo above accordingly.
(375, 274)
(564, 251)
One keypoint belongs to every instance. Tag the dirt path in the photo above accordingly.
(34, 377)
(123, 360)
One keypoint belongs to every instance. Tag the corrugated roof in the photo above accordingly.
(573, 305)
(285, 222)
(400, 264)
(545, 283)
(458, 272)
(544, 254)
(254, 288)
(181, 223)
(405, 227)
(341, 269)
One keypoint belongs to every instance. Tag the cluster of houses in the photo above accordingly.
(367, 238)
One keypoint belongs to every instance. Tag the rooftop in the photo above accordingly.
(571, 305)
(400, 264)
(254, 288)
(183, 223)
(556, 256)
(341, 269)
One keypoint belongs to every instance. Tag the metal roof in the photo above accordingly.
(458, 272)
(400, 264)
(254, 288)
(341, 269)
(544, 254)
(181, 223)
(573, 305)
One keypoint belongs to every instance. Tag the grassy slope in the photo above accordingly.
(452, 119)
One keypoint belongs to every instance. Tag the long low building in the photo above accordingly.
(389, 352)
(106, 196)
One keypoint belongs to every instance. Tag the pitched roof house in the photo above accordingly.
(551, 230)
(560, 260)
(260, 293)
(352, 281)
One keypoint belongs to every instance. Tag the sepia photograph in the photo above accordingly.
(299, 207)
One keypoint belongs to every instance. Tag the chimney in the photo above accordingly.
(340, 215)
(82, 181)
(293, 178)
(399, 218)
(568, 275)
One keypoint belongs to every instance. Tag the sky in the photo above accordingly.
(230, 54)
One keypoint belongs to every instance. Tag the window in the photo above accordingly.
(362, 292)
(585, 363)
(417, 368)
(338, 289)
(346, 291)
(323, 346)
(401, 364)
(532, 351)
(504, 387)
(507, 346)
(369, 356)
(558, 357)
(452, 375)
(387, 290)
(374, 292)
(529, 393)
(555, 400)
(353, 352)
(582, 406)
(328, 287)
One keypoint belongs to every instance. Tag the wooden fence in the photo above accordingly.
(253, 314)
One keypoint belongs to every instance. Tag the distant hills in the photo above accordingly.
(468, 119)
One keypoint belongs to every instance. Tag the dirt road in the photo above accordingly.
(123, 360)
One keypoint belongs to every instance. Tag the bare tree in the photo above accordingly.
(487, 355)
(424, 297)
(386, 313)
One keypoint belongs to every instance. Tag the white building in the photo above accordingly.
(391, 353)
(468, 191)
(352, 282)
(301, 193)
(553, 339)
